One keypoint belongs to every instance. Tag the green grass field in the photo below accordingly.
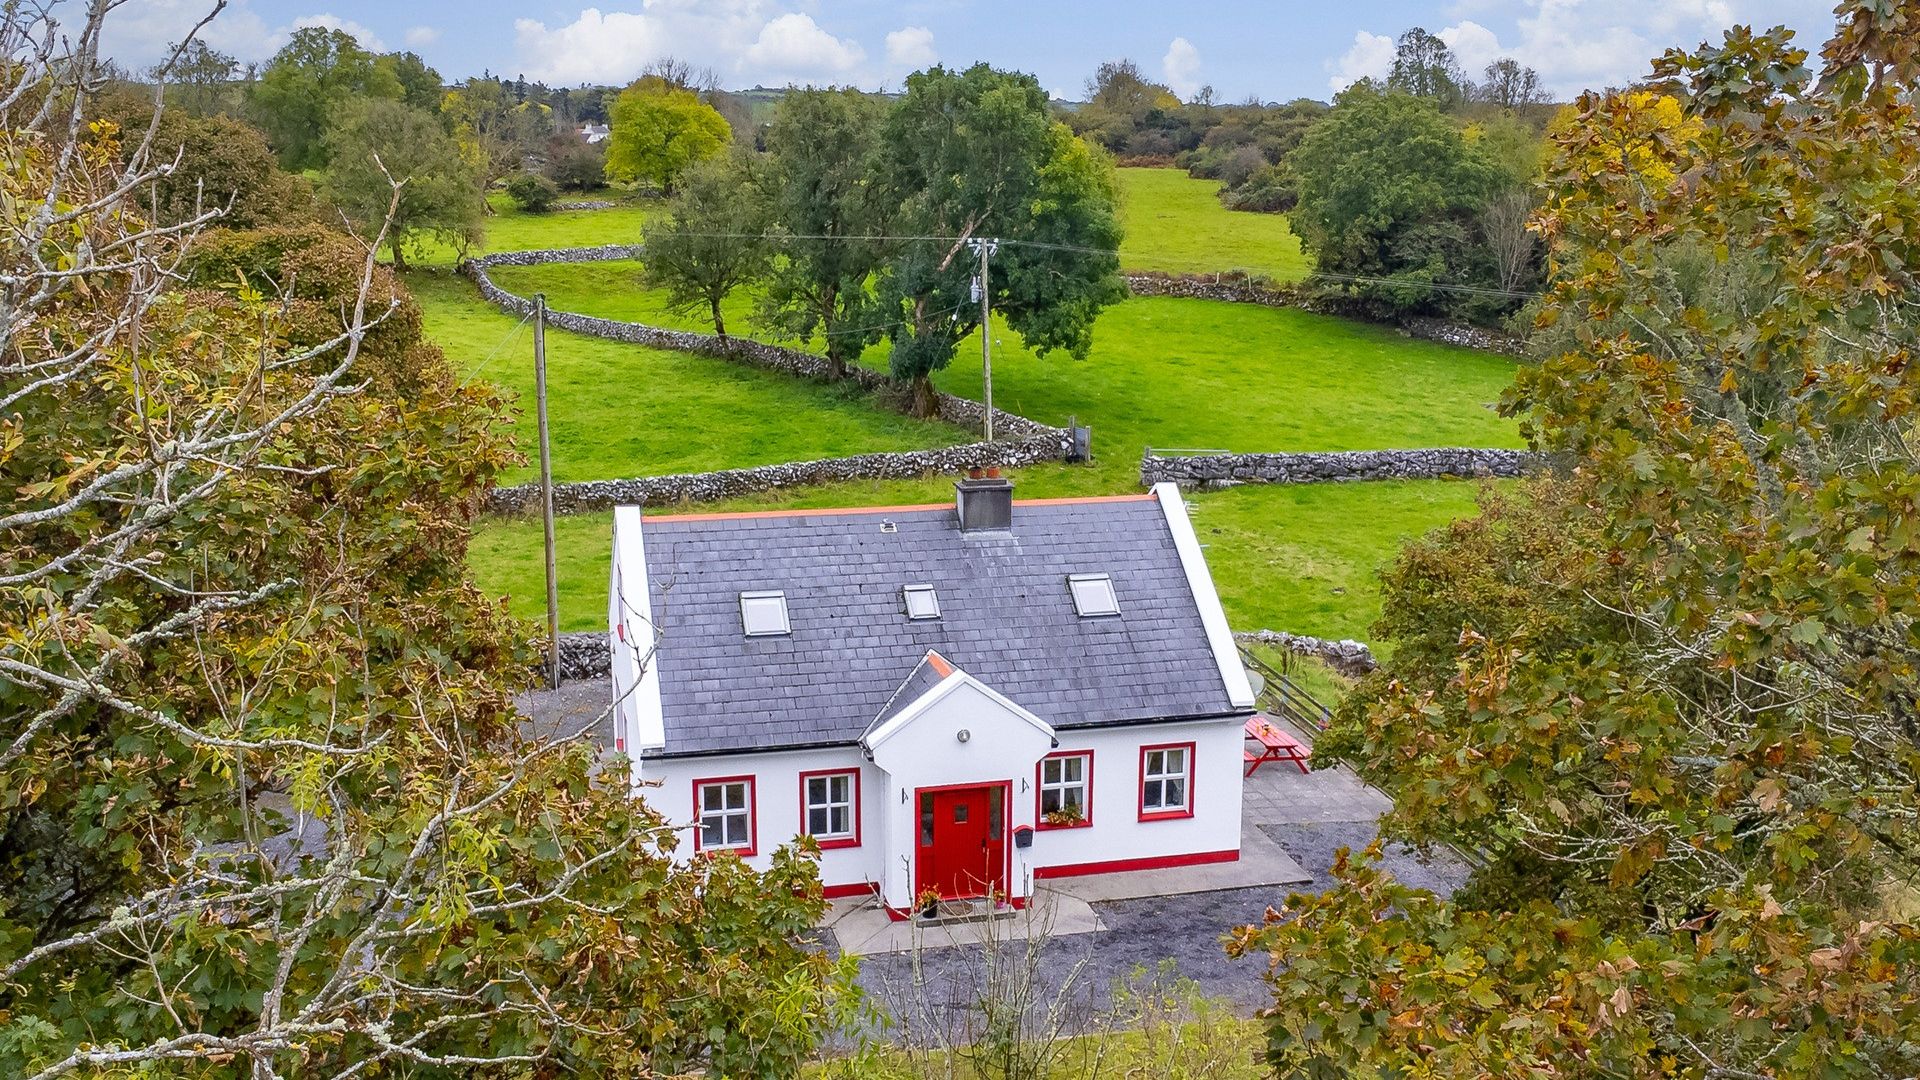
(1163, 372)
(1176, 223)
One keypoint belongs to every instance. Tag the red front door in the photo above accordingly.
(961, 846)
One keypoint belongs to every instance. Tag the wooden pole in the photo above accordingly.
(986, 337)
(546, 486)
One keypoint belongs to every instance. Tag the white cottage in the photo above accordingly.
(954, 700)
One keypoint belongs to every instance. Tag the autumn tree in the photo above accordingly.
(975, 154)
(1670, 697)
(1509, 84)
(495, 134)
(215, 162)
(660, 130)
(266, 807)
(197, 77)
(1424, 66)
(820, 150)
(712, 239)
(378, 140)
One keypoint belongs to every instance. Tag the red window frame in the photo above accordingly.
(753, 815)
(831, 843)
(1039, 774)
(1140, 789)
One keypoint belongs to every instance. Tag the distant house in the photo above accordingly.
(953, 700)
(594, 133)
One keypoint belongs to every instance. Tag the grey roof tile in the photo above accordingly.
(1006, 618)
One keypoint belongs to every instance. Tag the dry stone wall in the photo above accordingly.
(1348, 657)
(1023, 441)
(1244, 290)
(1335, 466)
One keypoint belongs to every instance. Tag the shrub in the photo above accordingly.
(1270, 190)
(532, 192)
(575, 165)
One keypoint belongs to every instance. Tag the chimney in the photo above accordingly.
(984, 504)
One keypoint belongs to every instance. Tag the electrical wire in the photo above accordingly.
(505, 340)
(1042, 245)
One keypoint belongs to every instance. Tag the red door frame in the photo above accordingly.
(1006, 833)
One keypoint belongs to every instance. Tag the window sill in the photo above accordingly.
(1045, 827)
(739, 852)
(832, 843)
(1165, 815)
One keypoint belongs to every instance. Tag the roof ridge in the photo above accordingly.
(825, 511)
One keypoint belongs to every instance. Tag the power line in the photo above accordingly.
(1042, 245)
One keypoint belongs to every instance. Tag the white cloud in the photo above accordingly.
(422, 36)
(910, 47)
(794, 48)
(1370, 57)
(368, 39)
(746, 41)
(1181, 67)
(1473, 45)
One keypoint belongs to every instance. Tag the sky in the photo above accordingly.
(1243, 49)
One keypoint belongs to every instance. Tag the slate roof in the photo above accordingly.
(1006, 618)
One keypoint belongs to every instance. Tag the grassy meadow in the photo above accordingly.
(1163, 372)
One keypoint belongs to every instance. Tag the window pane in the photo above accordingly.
(710, 797)
(926, 821)
(1176, 761)
(1049, 800)
(1050, 770)
(994, 798)
(840, 819)
(1150, 795)
(709, 832)
(838, 788)
(1073, 768)
(1072, 795)
(736, 796)
(816, 789)
(1176, 793)
(736, 829)
(816, 821)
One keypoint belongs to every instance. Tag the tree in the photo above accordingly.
(266, 808)
(1424, 66)
(1670, 699)
(820, 150)
(975, 154)
(496, 134)
(532, 192)
(218, 163)
(712, 240)
(1511, 86)
(574, 164)
(379, 139)
(658, 131)
(198, 77)
(316, 72)
(1388, 192)
(420, 85)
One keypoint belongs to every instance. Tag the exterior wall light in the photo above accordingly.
(963, 735)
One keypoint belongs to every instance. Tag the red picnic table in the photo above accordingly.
(1275, 745)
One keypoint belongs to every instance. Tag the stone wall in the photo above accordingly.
(1239, 289)
(1350, 658)
(584, 655)
(954, 410)
(728, 483)
(1313, 467)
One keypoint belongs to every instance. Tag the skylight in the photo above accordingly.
(764, 614)
(1093, 594)
(922, 602)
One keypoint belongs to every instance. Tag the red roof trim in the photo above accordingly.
(734, 515)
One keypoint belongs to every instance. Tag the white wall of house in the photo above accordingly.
(667, 786)
(1117, 832)
(926, 752)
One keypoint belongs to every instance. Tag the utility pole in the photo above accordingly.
(546, 485)
(980, 283)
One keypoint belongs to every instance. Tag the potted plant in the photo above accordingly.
(1067, 815)
(928, 902)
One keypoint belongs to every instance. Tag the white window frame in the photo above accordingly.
(1093, 595)
(1162, 776)
(1062, 785)
(723, 813)
(909, 593)
(771, 602)
(850, 803)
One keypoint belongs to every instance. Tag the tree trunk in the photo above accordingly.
(719, 324)
(836, 363)
(925, 405)
(399, 259)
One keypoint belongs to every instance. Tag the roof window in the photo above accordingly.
(1093, 594)
(764, 614)
(922, 602)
